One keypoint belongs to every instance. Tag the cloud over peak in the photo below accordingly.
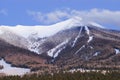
(102, 16)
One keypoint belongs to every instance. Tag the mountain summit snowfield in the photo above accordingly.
(46, 31)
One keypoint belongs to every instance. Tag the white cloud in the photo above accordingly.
(48, 18)
(101, 16)
(3, 11)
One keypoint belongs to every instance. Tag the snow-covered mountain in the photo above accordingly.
(31, 37)
(71, 43)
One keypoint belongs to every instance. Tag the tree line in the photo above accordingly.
(110, 75)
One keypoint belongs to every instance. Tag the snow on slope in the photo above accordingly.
(79, 49)
(117, 51)
(77, 37)
(34, 46)
(90, 39)
(96, 53)
(87, 30)
(55, 51)
(9, 70)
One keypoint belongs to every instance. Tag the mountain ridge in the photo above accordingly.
(38, 32)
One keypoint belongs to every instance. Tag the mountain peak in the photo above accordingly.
(95, 24)
(77, 22)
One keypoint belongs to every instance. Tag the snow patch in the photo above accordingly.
(77, 37)
(117, 51)
(91, 47)
(34, 46)
(86, 70)
(80, 49)
(9, 70)
(90, 39)
(96, 53)
(87, 30)
(55, 51)
(80, 69)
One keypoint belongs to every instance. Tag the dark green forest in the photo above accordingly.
(111, 75)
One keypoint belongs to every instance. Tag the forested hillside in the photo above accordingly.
(111, 75)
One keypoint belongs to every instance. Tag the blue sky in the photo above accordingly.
(40, 12)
